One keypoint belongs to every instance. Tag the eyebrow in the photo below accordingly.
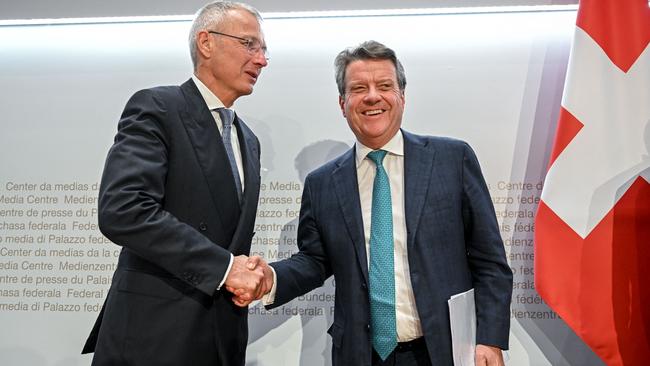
(364, 82)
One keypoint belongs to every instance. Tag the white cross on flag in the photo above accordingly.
(592, 229)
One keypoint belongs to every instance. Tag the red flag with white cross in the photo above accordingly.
(592, 229)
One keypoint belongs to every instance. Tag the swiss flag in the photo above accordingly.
(592, 229)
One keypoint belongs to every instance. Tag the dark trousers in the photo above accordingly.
(413, 353)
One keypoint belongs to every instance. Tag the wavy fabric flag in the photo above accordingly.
(592, 229)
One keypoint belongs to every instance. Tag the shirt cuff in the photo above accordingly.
(269, 298)
(232, 259)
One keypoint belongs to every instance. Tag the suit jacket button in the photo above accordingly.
(367, 327)
(203, 226)
(364, 286)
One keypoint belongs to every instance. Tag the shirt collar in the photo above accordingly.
(210, 99)
(395, 147)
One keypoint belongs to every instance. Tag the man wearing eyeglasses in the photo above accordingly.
(179, 193)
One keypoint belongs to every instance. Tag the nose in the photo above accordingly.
(260, 58)
(372, 96)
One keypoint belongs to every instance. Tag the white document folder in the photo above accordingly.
(462, 317)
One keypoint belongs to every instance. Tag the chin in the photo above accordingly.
(246, 91)
(376, 132)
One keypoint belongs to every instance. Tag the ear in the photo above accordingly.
(204, 44)
(342, 105)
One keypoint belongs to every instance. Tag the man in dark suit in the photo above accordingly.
(179, 193)
(403, 222)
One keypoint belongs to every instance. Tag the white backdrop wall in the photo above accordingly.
(40, 9)
(494, 80)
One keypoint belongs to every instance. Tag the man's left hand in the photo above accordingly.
(488, 356)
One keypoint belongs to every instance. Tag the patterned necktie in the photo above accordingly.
(382, 271)
(226, 116)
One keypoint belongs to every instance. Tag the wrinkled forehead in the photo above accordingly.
(370, 69)
(242, 24)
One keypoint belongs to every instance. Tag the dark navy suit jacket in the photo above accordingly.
(168, 197)
(453, 245)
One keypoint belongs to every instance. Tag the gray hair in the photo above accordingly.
(211, 15)
(368, 50)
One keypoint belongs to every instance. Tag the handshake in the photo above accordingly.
(249, 279)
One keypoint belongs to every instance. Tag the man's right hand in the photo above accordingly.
(245, 277)
(243, 296)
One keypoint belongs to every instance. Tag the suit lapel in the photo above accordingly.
(211, 155)
(347, 192)
(418, 163)
(250, 161)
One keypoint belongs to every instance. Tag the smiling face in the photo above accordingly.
(225, 66)
(373, 102)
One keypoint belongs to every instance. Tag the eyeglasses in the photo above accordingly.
(253, 45)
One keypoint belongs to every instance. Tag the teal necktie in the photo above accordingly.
(382, 271)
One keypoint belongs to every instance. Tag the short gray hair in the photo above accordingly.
(211, 15)
(368, 50)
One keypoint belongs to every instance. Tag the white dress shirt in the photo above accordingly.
(408, 320)
(213, 103)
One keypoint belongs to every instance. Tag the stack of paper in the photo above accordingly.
(462, 317)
